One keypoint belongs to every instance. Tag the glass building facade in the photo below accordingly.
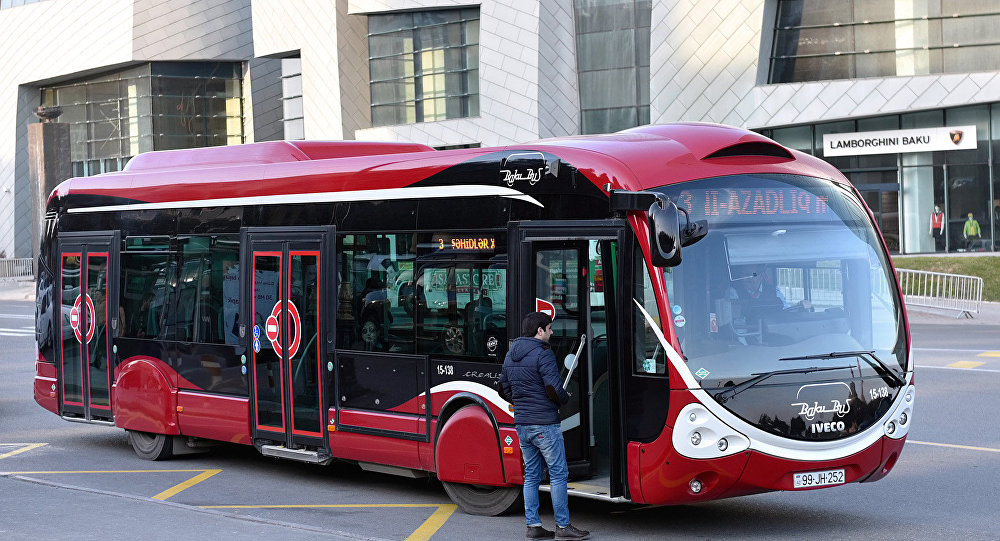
(424, 66)
(612, 44)
(158, 106)
(902, 189)
(847, 39)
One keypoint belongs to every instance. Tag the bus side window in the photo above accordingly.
(144, 293)
(650, 357)
(377, 271)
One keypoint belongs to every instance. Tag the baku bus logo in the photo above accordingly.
(529, 166)
(835, 405)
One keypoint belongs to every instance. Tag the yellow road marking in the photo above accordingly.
(433, 523)
(94, 471)
(968, 447)
(185, 485)
(989, 354)
(25, 447)
(423, 533)
(966, 364)
(172, 491)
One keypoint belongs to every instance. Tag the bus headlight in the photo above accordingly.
(890, 428)
(695, 486)
(903, 418)
(696, 439)
(723, 444)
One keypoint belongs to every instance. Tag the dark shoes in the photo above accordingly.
(571, 533)
(537, 532)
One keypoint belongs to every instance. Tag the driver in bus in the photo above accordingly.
(752, 295)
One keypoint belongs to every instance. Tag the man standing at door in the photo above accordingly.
(530, 380)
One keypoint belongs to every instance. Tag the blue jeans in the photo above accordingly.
(544, 442)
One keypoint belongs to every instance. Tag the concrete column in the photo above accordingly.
(49, 164)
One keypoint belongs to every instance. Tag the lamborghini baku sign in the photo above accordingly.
(891, 142)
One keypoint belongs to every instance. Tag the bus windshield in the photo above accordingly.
(791, 276)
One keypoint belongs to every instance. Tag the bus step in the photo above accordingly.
(300, 455)
(88, 421)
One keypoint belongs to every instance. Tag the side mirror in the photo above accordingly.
(664, 233)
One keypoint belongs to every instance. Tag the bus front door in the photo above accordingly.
(288, 338)
(568, 269)
(87, 265)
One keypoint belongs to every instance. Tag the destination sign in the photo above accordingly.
(752, 202)
(473, 244)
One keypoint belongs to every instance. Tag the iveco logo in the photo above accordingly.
(818, 428)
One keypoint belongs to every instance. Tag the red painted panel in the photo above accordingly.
(891, 449)
(512, 467)
(381, 421)
(376, 449)
(425, 451)
(222, 418)
(664, 473)
(144, 399)
(44, 392)
(46, 383)
(45, 369)
(468, 450)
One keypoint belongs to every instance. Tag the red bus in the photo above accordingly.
(737, 317)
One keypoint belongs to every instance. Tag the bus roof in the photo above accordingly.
(634, 159)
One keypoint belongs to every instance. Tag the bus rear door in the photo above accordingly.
(569, 269)
(287, 274)
(87, 263)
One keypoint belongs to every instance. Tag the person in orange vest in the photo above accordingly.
(937, 228)
(971, 232)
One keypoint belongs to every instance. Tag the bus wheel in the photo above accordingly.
(151, 446)
(483, 500)
(454, 339)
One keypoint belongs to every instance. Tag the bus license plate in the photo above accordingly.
(818, 478)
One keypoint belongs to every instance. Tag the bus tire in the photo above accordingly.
(151, 446)
(483, 500)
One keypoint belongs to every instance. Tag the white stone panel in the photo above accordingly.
(192, 29)
(41, 42)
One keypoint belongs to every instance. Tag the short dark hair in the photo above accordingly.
(534, 321)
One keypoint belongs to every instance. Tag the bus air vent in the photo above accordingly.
(755, 148)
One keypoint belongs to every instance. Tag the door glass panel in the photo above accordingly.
(304, 361)
(97, 346)
(72, 318)
(557, 280)
(267, 361)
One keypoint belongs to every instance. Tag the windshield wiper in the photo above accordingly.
(731, 392)
(868, 355)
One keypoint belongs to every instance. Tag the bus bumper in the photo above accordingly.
(667, 477)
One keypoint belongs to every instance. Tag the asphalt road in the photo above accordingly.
(65, 480)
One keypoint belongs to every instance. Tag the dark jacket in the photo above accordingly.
(530, 380)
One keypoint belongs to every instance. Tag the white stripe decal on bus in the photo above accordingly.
(417, 192)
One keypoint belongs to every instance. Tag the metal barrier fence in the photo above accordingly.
(941, 290)
(16, 269)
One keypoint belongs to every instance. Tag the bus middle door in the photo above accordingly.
(88, 293)
(287, 276)
(567, 270)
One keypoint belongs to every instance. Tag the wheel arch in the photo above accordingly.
(455, 404)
